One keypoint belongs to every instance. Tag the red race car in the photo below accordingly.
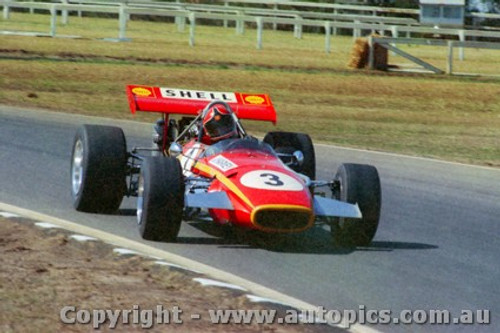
(206, 163)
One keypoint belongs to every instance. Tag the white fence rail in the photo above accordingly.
(388, 43)
(283, 5)
(186, 12)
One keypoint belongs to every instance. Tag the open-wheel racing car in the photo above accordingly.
(267, 185)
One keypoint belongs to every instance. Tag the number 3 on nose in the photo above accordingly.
(272, 179)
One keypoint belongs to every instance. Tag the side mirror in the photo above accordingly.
(175, 149)
(299, 157)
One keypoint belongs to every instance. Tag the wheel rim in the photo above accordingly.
(77, 168)
(140, 199)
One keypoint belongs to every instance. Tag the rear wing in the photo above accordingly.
(191, 102)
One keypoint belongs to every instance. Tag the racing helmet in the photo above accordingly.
(219, 124)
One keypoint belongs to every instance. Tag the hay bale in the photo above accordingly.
(361, 51)
(359, 54)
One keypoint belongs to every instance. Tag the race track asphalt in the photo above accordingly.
(436, 248)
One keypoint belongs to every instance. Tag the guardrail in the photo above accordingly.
(388, 43)
(286, 5)
(354, 8)
(250, 11)
(240, 18)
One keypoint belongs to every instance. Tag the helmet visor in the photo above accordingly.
(220, 125)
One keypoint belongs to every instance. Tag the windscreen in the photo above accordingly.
(239, 144)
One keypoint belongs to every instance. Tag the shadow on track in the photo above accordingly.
(391, 246)
(314, 241)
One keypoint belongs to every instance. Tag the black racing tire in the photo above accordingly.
(98, 169)
(160, 201)
(289, 142)
(358, 183)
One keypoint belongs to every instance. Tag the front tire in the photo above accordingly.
(160, 201)
(289, 142)
(357, 183)
(98, 169)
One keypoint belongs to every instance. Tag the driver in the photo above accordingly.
(218, 125)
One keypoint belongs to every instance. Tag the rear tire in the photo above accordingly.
(160, 201)
(98, 169)
(289, 142)
(358, 184)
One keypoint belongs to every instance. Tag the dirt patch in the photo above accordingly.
(46, 270)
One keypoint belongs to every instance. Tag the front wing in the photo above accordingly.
(335, 208)
(322, 206)
(208, 200)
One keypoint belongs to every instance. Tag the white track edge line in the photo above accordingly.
(175, 258)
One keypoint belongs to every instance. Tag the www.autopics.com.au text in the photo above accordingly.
(161, 315)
